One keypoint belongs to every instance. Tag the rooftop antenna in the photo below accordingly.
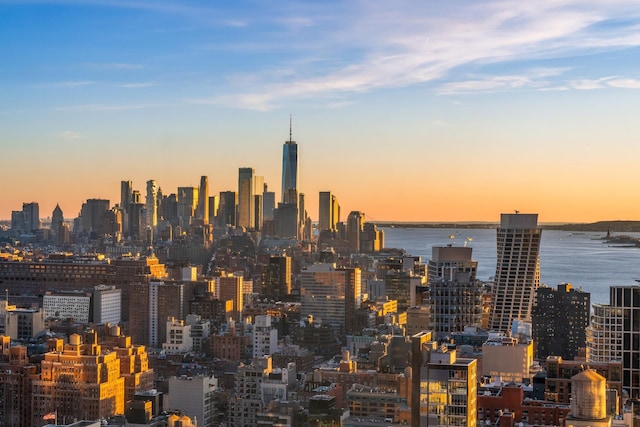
(290, 127)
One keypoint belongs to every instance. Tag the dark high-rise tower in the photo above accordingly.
(560, 319)
(517, 270)
(290, 170)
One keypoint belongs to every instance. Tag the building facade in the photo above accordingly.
(560, 318)
(517, 270)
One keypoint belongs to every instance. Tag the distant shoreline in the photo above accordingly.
(603, 226)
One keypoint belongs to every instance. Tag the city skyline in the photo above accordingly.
(416, 111)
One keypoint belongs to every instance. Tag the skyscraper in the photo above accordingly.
(613, 334)
(455, 294)
(559, 319)
(327, 217)
(290, 170)
(202, 210)
(151, 205)
(227, 209)
(126, 190)
(517, 270)
(246, 200)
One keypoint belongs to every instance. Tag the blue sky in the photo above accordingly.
(481, 106)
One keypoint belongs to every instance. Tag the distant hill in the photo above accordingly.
(612, 226)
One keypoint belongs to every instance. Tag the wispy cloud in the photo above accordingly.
(105, 107)
(624, 83)
(377, 46)
(70, 135)
(136, 85)
(113, 66)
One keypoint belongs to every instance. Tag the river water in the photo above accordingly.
(583, 259)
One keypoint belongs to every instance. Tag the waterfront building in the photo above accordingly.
(455, 295)
(517, 270)
(560, 318)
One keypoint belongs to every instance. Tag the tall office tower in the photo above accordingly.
(58, 227)
(560, 318)
(276, 278)
(268, 205)
(227, 208)
(126, 194)
(257, 214)
(32, 216)
(290, 170)
(246, 186)
(517, 270)
(331, 294)
(443, 385)
(613, 334)
(230, 288)
(92, 214)
(304, 232)
(151, 205)
(326, 214)
(214, 203)
(286, 220)
(355, 226)
(187, 202)
(202, 211)
(455, 295)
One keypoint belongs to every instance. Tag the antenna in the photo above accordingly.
(290, 127)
